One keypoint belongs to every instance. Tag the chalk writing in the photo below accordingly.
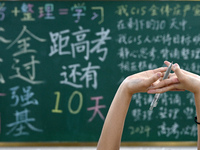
(2, 39)
(175, 130)
(63, 11)
(101, 12)
(152, 24)
(24, 46)
(29, 67)
(2, 81)
(2, 11)
(5, 41)
(24, 99)
(15, 11)
(155, 10)
(166, 39)
(75, 77)
(56, 110)
(96, 108)
(127, 66)
(80, 102)
(27, 10)
(139, 115)
(79, 11)
(165, 113)
(73, 56)
(2, 94)
(22, 124)
(70, 101)
(49, 9)
(60, 41)
(140, 130)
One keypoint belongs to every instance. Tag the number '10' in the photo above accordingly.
(57, 110)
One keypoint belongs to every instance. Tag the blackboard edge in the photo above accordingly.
(80, 144)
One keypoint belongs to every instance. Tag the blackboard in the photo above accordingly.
(61, 63)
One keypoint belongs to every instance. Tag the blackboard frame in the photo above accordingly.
(93, 144)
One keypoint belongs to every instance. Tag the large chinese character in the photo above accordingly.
(90, 75)
(96, 108)
(24, 99)
(60, 40)
(87, 75)
(22, 124)
(46, 11)
(23, 44)
(71, 79)
(29, 68)
(27, 12)
(99, 42)
(95, 15)
(82, 45)
(79, 11)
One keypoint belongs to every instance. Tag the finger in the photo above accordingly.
(178, 71)
(189, 73)
(167, 63)
(161, 69)
(153, 78)
(164, 83)
(162, 90)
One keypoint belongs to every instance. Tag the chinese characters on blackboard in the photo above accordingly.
(79, 40)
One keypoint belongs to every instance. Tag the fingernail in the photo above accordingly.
(175, 65)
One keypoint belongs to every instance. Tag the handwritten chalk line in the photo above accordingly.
(2, 94)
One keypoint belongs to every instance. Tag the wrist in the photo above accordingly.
(126, 90)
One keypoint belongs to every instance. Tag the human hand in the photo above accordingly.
(181, 80)
(140, 82)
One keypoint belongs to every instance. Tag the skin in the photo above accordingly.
(150, 82)
(110, 138)
(181, 80)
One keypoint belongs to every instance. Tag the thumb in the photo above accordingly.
(177, 71)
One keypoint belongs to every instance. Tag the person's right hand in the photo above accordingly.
(181, 80)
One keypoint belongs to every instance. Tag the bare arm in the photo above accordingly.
(187, 81)
(110, 138)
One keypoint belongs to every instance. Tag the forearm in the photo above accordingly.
(110, 138)
(197, 102)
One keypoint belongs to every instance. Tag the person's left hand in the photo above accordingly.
(140, 82)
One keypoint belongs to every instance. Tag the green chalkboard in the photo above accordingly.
(61, 63)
